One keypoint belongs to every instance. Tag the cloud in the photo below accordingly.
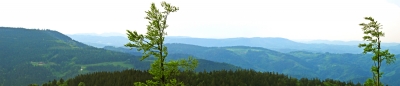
(293, 19)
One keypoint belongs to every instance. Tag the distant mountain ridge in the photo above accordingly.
(273, 43)
(100, 41)
(386, 44)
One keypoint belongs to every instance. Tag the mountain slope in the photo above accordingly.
(35, 56)
(345, 67)
(260, 59)
(29, 55)
(354, 67)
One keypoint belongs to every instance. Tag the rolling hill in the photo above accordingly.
(38, 55)
(345, 67)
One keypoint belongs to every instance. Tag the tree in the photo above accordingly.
(54, 82)
(33, 85)
(373, 34)
(81, 84)
(152, 44)
(61, 80)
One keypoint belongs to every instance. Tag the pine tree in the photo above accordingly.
(81, 84)
(61, 80)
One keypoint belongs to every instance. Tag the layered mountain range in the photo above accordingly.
(36, 56)
(274, 43)
(322, 59)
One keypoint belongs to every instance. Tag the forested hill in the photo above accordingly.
(213, 78)
(36, 56)
(32, 55)
(345, 67)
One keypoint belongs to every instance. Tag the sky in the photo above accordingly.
(291, 19)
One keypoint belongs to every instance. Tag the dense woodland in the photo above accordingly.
(212, 78)
(298, 64)
(37, 55)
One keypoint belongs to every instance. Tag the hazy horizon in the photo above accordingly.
(291, 19)
(295, 40)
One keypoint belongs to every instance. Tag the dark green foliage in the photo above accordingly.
(61, 81)
(117, 78)
(297, 64)
(213, 78)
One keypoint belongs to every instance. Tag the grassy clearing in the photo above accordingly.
(241, 51)
(123, 64)
(45, 64)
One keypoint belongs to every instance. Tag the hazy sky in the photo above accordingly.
(292, 19)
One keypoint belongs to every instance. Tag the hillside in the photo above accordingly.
(35, 56)
(345, 67)
(259, 59)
